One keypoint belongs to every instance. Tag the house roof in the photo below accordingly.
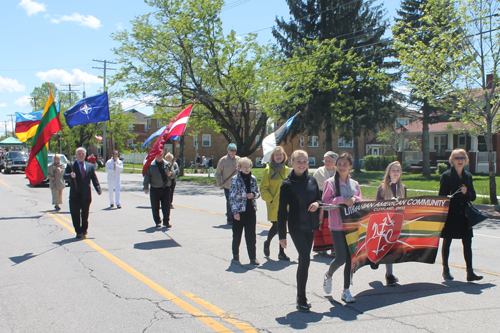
(416, 127)
(140, 118)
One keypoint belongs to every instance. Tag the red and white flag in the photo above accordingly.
(99, 138)
(175, 127)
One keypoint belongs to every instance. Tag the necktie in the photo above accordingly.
(83, 171)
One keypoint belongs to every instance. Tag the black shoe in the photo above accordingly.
(391, 280)
(172, 206)
(158, 225)
(267, 252)
(254, 262)
(119, 206)
(473, 277)
(303, 305)
(111, 206)
(373, 265)
(78, 235)
(168, 225)
(283, 257)
(446, 273)
(236, 258)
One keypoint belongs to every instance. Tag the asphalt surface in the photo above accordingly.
(129, 276)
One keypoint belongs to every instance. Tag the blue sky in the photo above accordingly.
(56, 41)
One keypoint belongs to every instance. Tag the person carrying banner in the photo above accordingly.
(159, 175)
(175, 169)
(340, 189)
(391, 187)
(226, 169)
(298, 210)
(322, 237)
(272, 178)
(458, 182)
(79, 174)
(57, 184)
(114, 168)
(242, 194)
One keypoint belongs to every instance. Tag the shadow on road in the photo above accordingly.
(276, 265)
(223, 226)
(158, 244)
(20, 217)
(378, 297)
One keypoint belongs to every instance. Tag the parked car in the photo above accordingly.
(2, 161)
(15, 160)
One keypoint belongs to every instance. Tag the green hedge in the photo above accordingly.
(378, 163)
(442, 168)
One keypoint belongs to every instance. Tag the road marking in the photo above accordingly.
(150, 283)
(1, 181)
(265, 225)
(220, 313)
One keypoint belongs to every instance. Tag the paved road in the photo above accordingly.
(131, 277)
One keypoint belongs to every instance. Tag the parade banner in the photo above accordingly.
(394, 231)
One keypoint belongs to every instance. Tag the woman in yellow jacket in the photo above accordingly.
(272, 178)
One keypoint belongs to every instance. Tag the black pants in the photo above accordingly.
(248, 222)
(229, 212)
(272, 232)
(79, 210)
(172, 188)
(467, 244)
(303, 242)
(160, 196)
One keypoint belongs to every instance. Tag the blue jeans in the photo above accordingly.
(229, 212)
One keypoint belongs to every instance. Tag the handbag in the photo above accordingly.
(474, 215)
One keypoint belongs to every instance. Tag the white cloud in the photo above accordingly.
(145, 101)
(10, 85)
(119, 26)
(3, 105)
(32, 7)
(89, 20)
(60, 76)
(23, 101)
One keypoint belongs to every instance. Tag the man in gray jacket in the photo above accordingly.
(159, 175)
(226, 169)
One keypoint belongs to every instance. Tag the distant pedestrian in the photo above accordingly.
(298, 212)
(92, 159)
(159, 175)
(203, 164)
(272, 177)
(226, 169)
(79, 174)
(243, 192)
(211, 166)
(57, 184)
(175, 169)
(114, 167)
(458, 182)
(197, 162)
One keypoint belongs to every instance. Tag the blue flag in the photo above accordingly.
(92, 109)
(158, 132)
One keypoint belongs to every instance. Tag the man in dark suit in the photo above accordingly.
(79, 174)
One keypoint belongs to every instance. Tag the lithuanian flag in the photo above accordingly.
(36, 171)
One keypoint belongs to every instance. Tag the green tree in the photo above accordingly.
(456, 63)
(179, 51)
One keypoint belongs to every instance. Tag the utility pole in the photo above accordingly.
(12, 122)
(34, 101)
(70, 91)
(5, 123)
(105, 62)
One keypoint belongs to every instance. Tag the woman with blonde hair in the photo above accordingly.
(298, 210)
(57, 184)
(273, 176)
(391, 187)
(458, 183)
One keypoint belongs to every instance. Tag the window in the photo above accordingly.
(145, 128)
(206, 140)
(130, 142)
(440, 144)
(313, 141)
(301, 141)
(343, 143)
(312, 161)
(159, 123)
(148, 125)
(131, 127)
(195, 140)
(258, 162)
(375, 151)
(481, 143)
(461, 141)
(402, 122)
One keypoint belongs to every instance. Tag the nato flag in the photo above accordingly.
(92, 109)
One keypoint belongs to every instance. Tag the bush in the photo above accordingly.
(378, 163)
(406, 167)
(441, 168)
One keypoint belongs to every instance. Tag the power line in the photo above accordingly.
(69, 89)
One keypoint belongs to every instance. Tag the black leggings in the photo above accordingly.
(272, 232)
(247, 222)
(467, 244)
(303, 242)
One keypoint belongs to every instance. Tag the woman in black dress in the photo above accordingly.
(456, 226)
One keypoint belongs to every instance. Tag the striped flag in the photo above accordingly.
(274, 139)
(27, 124)
(36, 171)
(174, 128)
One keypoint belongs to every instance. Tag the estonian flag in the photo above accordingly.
(274, 139)
(92, 109)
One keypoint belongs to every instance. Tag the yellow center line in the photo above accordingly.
(150, 283)
(262, 224)
(1, 181)
(221, 313)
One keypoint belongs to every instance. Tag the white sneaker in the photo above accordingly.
(347, 297)
(327, 284)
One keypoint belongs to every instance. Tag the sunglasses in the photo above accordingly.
(232, 149)
(460, 158)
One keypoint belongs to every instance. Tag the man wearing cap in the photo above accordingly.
(226, 169)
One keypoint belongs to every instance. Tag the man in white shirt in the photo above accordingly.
(114, 167)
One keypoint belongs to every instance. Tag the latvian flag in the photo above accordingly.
(274, 139)
(174, 128)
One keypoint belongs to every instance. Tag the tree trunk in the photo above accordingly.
(426, 167)
(491, 167)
